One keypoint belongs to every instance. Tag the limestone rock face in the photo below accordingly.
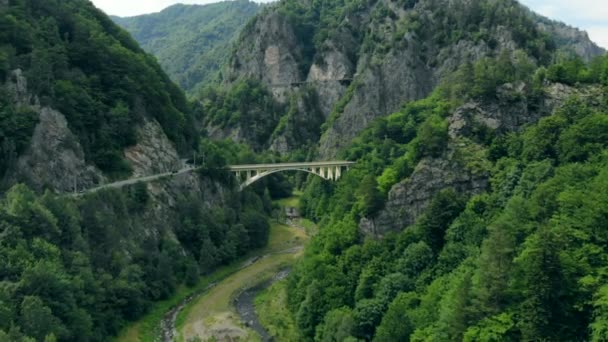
(269, 54)
(572, 39)
(369, 66)
(55, 158)
(379, 91)
(154, 152)
(408, 199)
(17, 88)
(457, 168)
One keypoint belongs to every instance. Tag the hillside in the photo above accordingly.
(335, 66)
(476, 214)
(82, 104)
(81, 99)
(191, 42)
(475, 211)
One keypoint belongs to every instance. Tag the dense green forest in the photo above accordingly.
(79, 270)
(79, 62)
(191, 42)
(526, 260)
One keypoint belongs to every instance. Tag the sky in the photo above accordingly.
(589, 15)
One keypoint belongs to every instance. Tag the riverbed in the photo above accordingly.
(210, 310)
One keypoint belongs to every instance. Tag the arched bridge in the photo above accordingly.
(249, 174)
(246, 174)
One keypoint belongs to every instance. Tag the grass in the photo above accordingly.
(310, 227)
(290, 202)
(148, 327)
(271, 307)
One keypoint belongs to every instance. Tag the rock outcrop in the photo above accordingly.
(459, 167)
(55, 159)
(571, 39)
(154, 153)
(270, 53)
(408, 199)
(369, 65)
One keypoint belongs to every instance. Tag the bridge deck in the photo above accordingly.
(288, 165)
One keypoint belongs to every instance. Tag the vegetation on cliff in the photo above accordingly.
(79, 62)
(524, 260)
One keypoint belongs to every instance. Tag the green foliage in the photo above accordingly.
(314, 22)
(524, 261)
(600, 323)
(370, 198)
(77, 61)
(432, 137)
(396, 325)
(16, 128)
(573, 70)
(191, 42)
(337, 326)
(78, 270)
(481, 79)
(246, 104)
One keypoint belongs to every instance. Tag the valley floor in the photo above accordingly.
(212, 315)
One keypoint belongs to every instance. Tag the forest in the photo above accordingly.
(525, 260)
(79, 62)
(192, 42)
(81, 268)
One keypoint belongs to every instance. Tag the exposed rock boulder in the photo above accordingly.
(154, 152)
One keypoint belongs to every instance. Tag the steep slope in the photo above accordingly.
(78, 92)
(355, 61)
(476, 214)
(81, 104)
(191, 42)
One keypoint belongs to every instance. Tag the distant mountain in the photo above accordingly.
(191, 42)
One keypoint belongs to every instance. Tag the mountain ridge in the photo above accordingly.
(383, 44)
(191, 42)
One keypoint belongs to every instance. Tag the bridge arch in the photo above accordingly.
(257, 177)
(249, 174)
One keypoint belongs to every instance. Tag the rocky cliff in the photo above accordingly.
(461, 166)
(368, 60)
(55, 159)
